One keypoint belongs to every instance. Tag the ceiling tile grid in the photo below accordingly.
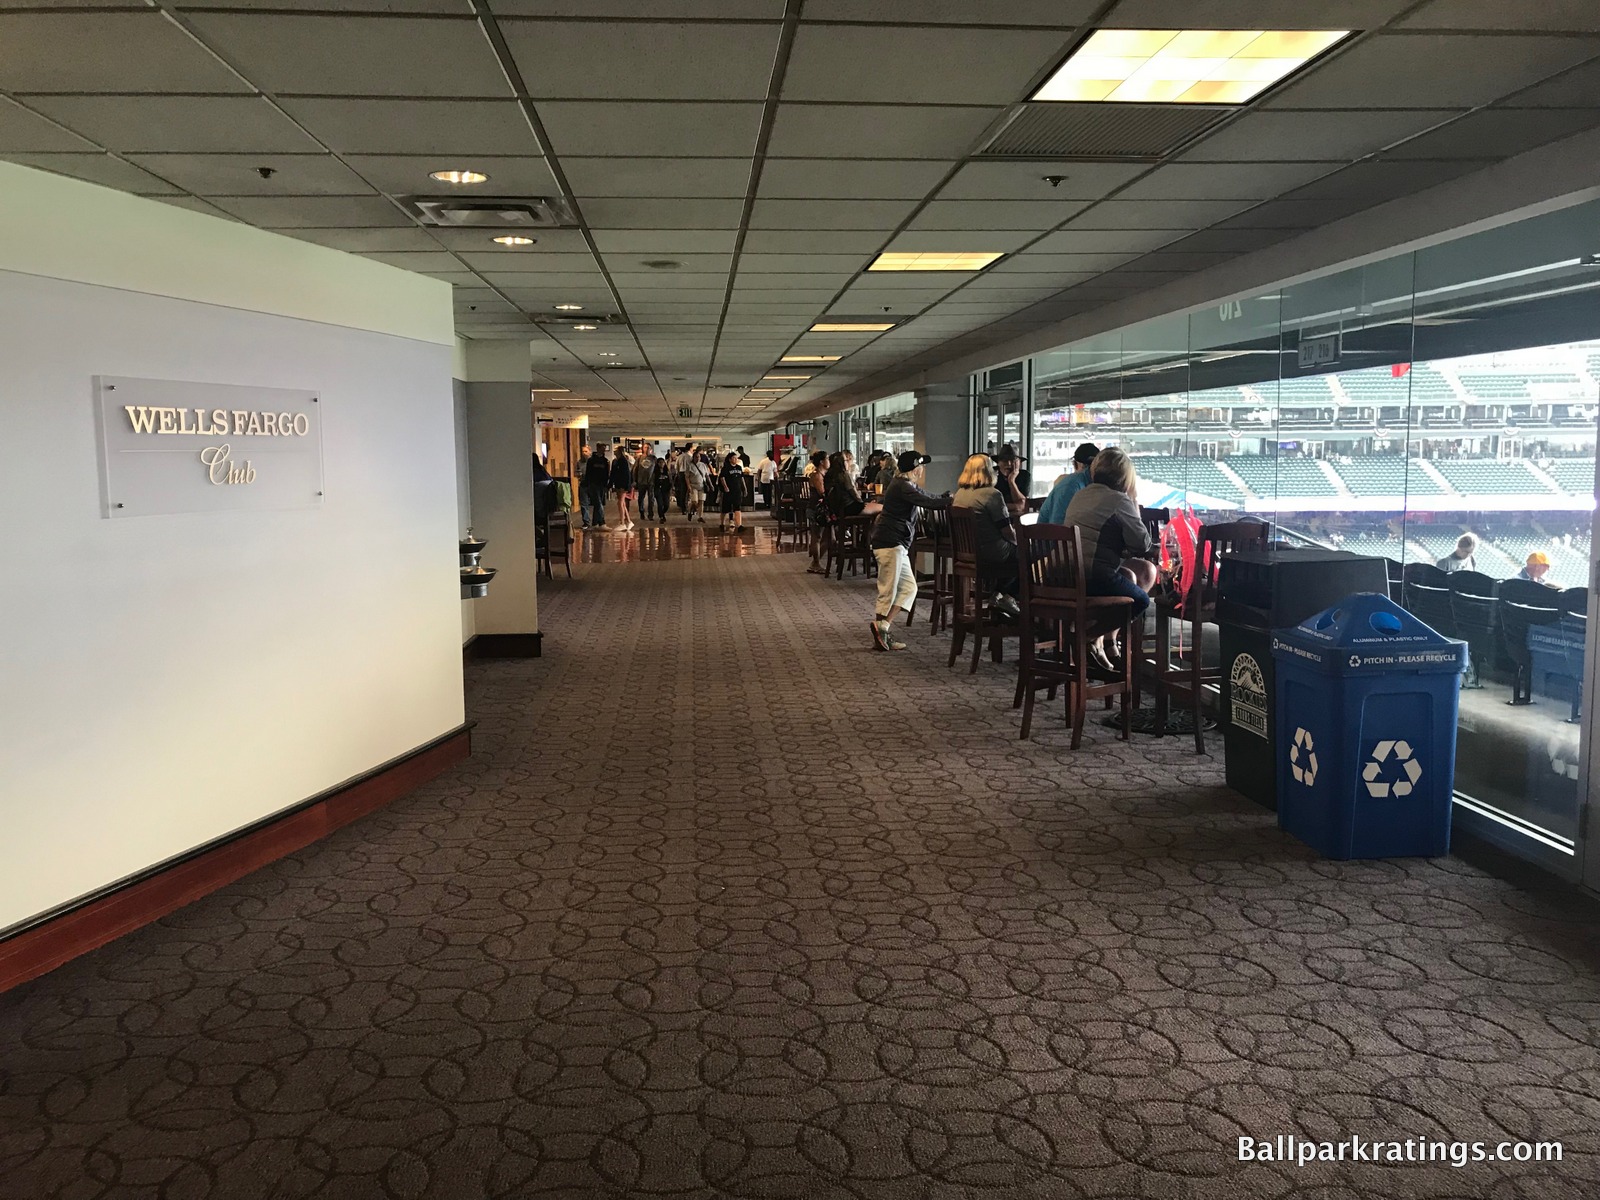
(733, 167)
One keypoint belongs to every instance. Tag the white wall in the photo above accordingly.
(469, 625)
(166, 680)
(500, 449)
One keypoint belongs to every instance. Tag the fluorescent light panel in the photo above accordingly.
(851, 327)
(933, 261)
(1184, 66)
(786, 377)
(811, 358)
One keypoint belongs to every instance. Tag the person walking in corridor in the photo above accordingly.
(661, 488)
(695, 480)
(644, 478)
(891, 539)
(596, 478)
(731, 478)
(622, 485)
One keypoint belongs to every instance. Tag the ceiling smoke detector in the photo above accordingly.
(490, 212)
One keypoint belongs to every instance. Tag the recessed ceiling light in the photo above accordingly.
(851, 327)
(933, 261)
(1184, 66)
(585, 327)
(780, 391)
(811, 358)
(608, 354)
(786, 377)
(459, 176)
(512, 239)
(569, 308)
(551, 389)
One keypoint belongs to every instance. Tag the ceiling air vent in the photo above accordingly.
(489, 212)
(577, 318)
(1114, 131)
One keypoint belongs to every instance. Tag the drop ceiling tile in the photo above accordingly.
(407, 175)
(23, 131)
(456, 7)
(1058, 264)
(829, 214)
(634, 282)
(1432, 71)
(1003, 241)
(916, 65)
(194, 204)
(808, 241)
(715, 265)
(511, 264)
(1374, 182)
(1577, 15)
(356, 56)
(622, 213)
(643, 60)
(417, 260)
(670, 243)
(110, 52)
(1307, 136)
(1182, 260)
(977, 217)
(809, 281)
(953, 12)
(457, 278)
(1578, 88)
(866, 179)
(1234, 241)
(546, 242)
(382, 126)
(313, 212)
(1006, 288)
(363, 240)
(1498, 132)
(661, 128)
(1253, 14)
(729, 10)
(1225, 181)
(1102, 241)
(240, 174)
(883, 131)
(101, 169)
(1157, 214)
(657, 177)
(686, 294)
(180, 124)
(1026, 180)
(801, 264)
(863, 298)
(1293, 214)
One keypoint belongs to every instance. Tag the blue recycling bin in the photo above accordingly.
(1367, 697)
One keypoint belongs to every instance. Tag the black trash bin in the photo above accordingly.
(1259, 591)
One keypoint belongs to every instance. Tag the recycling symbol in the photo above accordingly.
(1391, 771)
(1303, 758)
(1355, 660)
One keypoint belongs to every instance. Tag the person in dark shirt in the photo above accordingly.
(892, 534)
(730, 481)
(1012, 479)
(992, 529)
(596, 478)
(622, 485)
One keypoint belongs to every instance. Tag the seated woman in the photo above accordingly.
(1107, 516)
(995, 535)
(839, 488)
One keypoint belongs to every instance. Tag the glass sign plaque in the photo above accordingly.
(168, 446)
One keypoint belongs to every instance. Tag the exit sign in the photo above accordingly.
(685, 412)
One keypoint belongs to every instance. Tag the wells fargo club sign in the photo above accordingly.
(172, 446)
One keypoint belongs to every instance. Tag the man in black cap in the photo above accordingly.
(892, 534)
(1012, 479)
(1054, 509)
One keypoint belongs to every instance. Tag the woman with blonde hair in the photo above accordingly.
(1106, 512)
(992, 528)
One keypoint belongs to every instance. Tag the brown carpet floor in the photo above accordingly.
(727, 905)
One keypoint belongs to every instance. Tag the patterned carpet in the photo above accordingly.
(727, 905)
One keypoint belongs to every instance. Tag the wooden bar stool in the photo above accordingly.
(1055, 600)
(972, 597)
(1186, 682)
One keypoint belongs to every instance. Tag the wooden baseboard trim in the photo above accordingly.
(45, 942)
(505, 645)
